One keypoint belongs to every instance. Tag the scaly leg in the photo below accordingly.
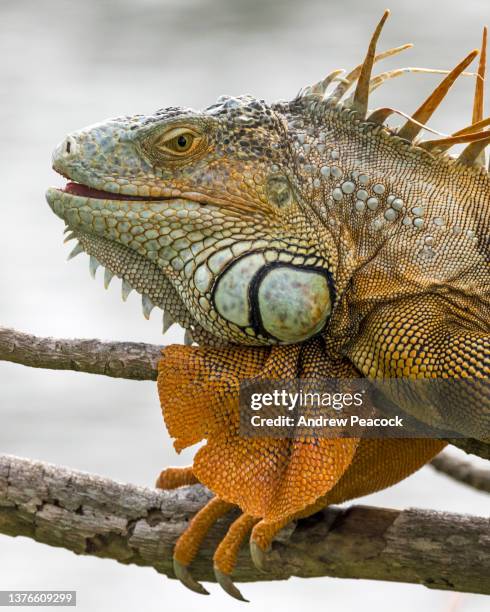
(174, 477)
(226, 554)
(189, 542)
(428, 337)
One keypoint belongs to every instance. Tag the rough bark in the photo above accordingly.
(135, 360)
(472, 447)
(463, 471)
(96, 516)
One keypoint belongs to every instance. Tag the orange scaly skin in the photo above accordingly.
(301, 239)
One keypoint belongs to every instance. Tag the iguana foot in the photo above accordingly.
(190, 541)
(174, 477)
(226, 554)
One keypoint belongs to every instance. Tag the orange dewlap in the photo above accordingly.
(274, 479)
(270, 478)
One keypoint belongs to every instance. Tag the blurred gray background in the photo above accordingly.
(66, 64)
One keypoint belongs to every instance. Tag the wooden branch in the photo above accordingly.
(472, 447)
(463, 471)
(135, 360)
(92, 515)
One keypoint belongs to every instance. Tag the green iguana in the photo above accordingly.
(300, 239)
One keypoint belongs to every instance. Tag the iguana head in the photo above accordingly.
(203, 214)
(244, 221)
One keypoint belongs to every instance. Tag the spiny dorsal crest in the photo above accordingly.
(476, 135)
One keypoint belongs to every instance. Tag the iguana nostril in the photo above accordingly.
(69, 146)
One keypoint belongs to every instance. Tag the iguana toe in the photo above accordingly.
(258, 556)
(226, 554)
(175, 477)
(227, 585)
(185, 577)
(189, 542)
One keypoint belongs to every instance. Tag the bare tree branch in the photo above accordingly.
(135, 360)
(463, 471)
(92, 515)
(472, 447)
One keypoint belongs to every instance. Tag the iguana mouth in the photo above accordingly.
(74, 188)
(85, 191)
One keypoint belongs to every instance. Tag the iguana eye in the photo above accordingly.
(178, 141)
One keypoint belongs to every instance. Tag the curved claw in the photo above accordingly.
(258, 556)
(227, 585)
(185, 577)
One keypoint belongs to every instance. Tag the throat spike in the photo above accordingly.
(147, 306)
(93, 265)
(361, 95)
(70, 236)
(76, 251)
(125, 290)
(168, 321)
(108, 276)
(412, 127)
